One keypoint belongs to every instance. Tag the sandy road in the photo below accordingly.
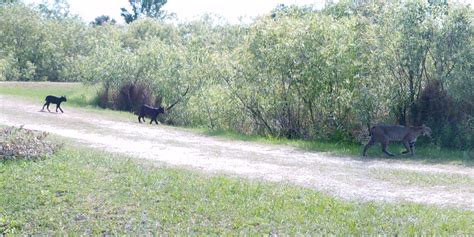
(346, 177)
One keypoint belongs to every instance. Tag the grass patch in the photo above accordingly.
(77, 94)
(339, 148)
(90, 192)
(422, 179)
(424, 153)
(427, 153)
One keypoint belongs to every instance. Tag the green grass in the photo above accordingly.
(83, 191)
(424, 153)
(77, 94)
(340, 148)
(404, 177)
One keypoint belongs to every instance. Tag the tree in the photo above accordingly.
(58, 10)
(103, 20)
(148, 8)
(8, 1)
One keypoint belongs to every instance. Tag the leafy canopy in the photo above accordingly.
(148, 8)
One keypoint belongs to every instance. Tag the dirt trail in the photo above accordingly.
(346, 177)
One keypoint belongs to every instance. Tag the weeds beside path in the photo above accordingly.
(346, 177)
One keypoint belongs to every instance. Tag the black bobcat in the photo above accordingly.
(55, 100)
(152, 112)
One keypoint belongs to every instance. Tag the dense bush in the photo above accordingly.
(24, 144)
(296, 72)
(129, 97)
(448, 119)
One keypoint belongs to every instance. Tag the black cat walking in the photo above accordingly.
(55, 100)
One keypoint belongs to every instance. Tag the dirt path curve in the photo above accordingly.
(346, 177)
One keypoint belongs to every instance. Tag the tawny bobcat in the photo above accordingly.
(386, 133)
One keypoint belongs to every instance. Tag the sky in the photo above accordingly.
(185, 10)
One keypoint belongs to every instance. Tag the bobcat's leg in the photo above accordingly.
(412, 148)
(369, 144)
(44, 106)
(384, 148)
(58, 107)
(47, 107)
(407, 146)
(156, 121)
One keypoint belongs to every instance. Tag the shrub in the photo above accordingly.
(129, 97)
(20, 143)
(450, 120)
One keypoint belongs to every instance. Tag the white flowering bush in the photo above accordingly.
(21, 143)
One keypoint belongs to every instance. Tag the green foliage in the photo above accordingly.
(148, 8)
(7, 69)
(103, 20)
(295, 73)
(40, 48)
(302, 69)
(59, 9)
(8, 2)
